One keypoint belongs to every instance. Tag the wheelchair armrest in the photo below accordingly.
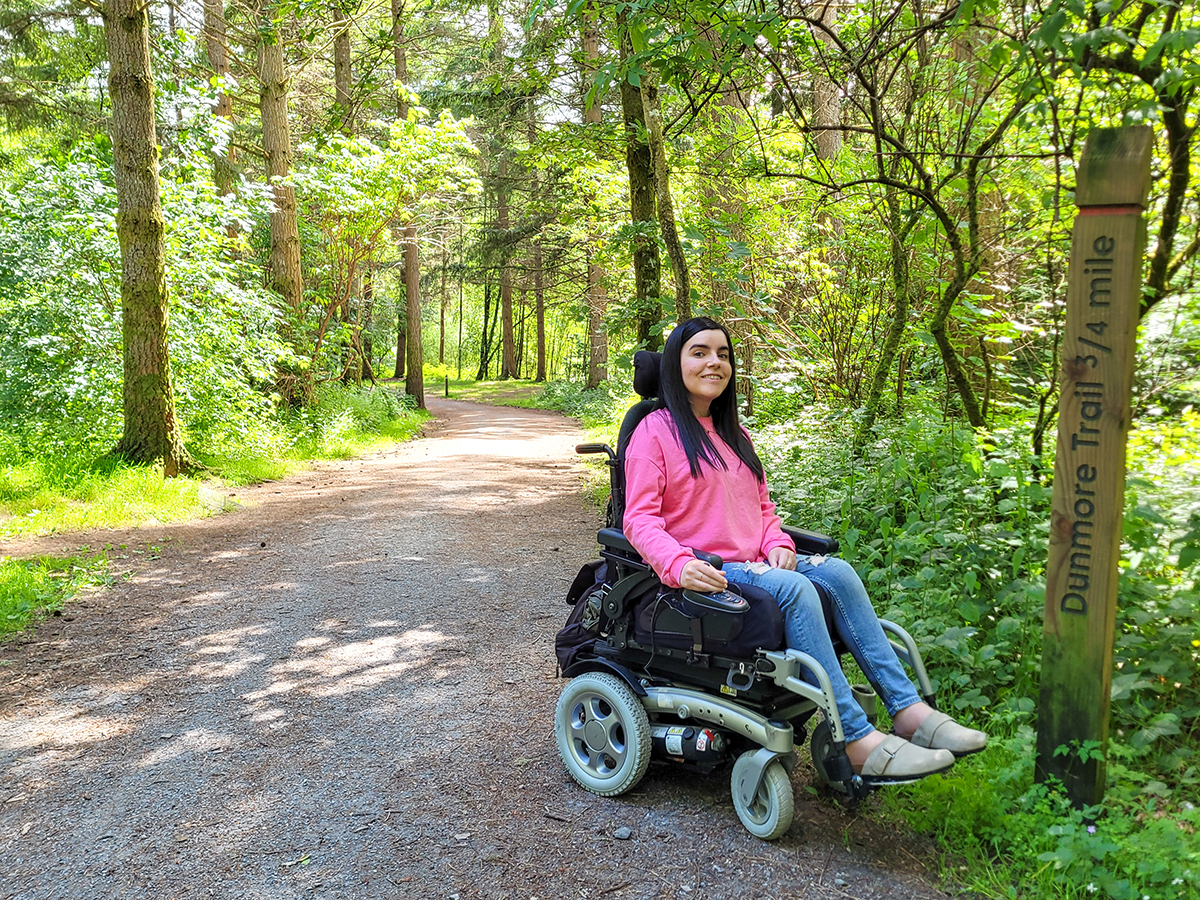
(614, 539)
(812, 542)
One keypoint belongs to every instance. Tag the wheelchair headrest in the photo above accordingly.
(646, 365)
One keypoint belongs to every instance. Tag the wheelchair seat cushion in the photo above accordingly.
(659, 621)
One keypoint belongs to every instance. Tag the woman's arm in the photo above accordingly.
(644, 525)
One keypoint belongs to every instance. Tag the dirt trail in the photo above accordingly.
(346, 690)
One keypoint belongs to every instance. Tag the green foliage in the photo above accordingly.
(60, 338)
(353, 192)
(345, 421)
(1024, 840)
(30, 588)
(599, 407)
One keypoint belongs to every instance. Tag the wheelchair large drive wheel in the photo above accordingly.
(770, 813)
(603, 733)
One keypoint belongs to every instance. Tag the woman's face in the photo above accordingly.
(706, 368)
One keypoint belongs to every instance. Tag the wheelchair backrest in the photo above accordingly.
(646, 365)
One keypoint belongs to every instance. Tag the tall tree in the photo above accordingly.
(151, 429)
(216, 42)
(597, 298)
(539, 287)
(286, 275)
(652, 106)
(647, 269)
(508, 357)
(342, 76)
(408, 340)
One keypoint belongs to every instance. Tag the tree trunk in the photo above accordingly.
(597, 298)
(891, 346)
(368, 317)
(539, 292)
(508, 364)
(647, 270)
(286, 277)
(442, 310)
(401, 336)
(484, 339)
(400, 58)
(342, 78)
(521, 313)
(151, 430)
(414, 382)
(827, 96)
(539, 306)
(827, 116)
(217, 43)
(662, 196)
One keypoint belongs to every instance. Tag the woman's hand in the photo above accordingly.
(782, 558)
(698, 575)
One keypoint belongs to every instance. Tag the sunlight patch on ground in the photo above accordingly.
(62, 725)
(196, 740)
(325, 669)
(235, 658)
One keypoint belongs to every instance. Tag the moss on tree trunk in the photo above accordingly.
(151, 429)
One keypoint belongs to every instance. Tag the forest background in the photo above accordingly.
(324, 198)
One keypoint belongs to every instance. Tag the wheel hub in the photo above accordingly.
(595, 735)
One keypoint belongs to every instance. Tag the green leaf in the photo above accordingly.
(1052, 26)
(1163, 725)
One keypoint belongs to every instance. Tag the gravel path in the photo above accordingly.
(346, 690)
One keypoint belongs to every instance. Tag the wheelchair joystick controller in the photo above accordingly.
(718, 601)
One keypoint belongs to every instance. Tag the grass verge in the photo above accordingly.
(40, 496)
(31, 588)
(511, 392)
(1004, 837)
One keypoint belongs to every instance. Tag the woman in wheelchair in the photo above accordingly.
(693, 479)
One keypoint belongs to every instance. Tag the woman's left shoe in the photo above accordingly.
(940, 732)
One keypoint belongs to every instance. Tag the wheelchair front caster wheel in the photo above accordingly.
(769, 814)
(603, 733)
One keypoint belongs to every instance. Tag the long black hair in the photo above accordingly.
(674, 396)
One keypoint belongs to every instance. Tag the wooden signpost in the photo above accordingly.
(1103, 299)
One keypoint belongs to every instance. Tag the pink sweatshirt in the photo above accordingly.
(667, 512)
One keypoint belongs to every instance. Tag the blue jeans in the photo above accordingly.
(857, 625)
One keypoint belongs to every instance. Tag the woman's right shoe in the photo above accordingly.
(940, 732)
(896, 761)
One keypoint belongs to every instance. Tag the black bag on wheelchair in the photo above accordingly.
(579, 634)
(666, 619)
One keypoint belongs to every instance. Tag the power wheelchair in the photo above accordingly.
(668, 674)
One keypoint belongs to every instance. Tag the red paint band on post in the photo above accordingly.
(1131, 209)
